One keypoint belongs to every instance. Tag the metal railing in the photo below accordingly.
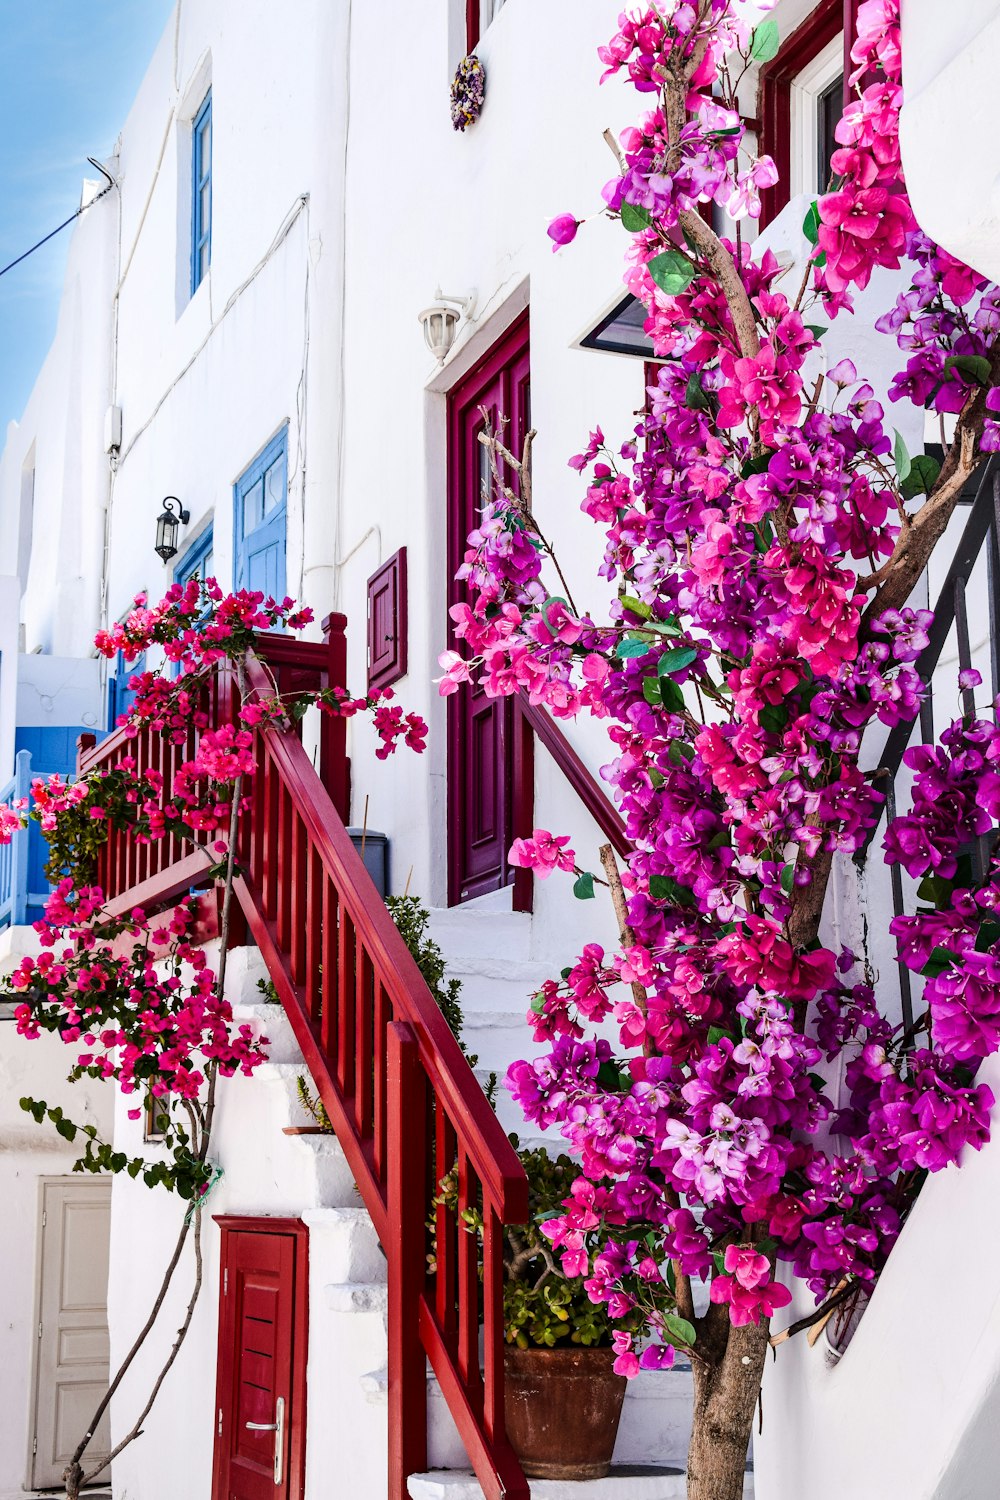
(950, 614)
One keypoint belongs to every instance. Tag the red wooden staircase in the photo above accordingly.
(404, 1102)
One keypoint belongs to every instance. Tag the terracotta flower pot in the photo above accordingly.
(563, 1408)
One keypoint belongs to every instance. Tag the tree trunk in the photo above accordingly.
(726, 1391)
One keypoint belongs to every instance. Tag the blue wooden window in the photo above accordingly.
(201, 193)
(260, 498)
(198, 561)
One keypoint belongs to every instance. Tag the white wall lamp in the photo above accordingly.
(441, 321)
(168, 526)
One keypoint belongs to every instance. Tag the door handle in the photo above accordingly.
(278, 1428)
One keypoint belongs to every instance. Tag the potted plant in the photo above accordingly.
(563, 1397)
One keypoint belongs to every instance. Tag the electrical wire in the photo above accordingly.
(66, 222)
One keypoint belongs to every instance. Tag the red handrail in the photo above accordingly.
(404, 1103)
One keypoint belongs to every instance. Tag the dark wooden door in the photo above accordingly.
(260, 1403)
(481, 729)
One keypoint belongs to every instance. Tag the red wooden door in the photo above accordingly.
(481, 729)
(260, 1402)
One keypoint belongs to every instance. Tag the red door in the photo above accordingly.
(481, 729)
(260, 1402)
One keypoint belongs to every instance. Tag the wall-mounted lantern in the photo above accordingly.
(168, 525)
(441, 321)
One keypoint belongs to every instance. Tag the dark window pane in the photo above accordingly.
(829, 108)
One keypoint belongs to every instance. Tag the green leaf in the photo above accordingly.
(974, 366)
(817, 330)
(787, 879)
(537, 1004)
(635, 218)
(694, 393)
(651, 691)
(901, 457)
(608, 1076)
(632, 648)
(635, 606)
(773, 718)
(583, 887)
(671, 271)
(924, 471)
(676, 659)
(989, 935)
(671, 695)
(758, 465)
(679, 752)
(666, 888)
(66, 1129)
(679, 1330)
(939, 962)
(810, 225)
(766, 41)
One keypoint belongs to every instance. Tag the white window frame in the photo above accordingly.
(488, 12)
(807, 87)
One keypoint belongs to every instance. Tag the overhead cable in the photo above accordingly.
(66, 222)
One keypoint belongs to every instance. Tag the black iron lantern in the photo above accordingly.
(168, 525)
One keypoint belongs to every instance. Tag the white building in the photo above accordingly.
(239, 329)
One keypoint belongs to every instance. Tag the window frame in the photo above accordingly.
(255, 470)
(195, 554)
(777, 83)
(201, 176)
(474, 29)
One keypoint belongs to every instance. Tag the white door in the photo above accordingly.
(71, 1363)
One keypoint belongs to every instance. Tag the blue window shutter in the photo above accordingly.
(120, 695)
(201, 193)
(260, 519)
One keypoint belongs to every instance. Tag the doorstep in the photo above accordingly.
(625, 1482)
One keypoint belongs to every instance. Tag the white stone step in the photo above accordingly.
(626, 1483)
(358, 1297)
(344, 1242)
(479, 931)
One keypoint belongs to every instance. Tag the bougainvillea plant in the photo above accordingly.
(131, 993)
(764, 528)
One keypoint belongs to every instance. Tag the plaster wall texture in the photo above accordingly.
(948, 131)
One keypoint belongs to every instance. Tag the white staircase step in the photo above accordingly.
(475, 931)
(625, 1483)
(358, 1297)
(344, 1240)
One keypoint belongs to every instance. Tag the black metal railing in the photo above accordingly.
(950, 615)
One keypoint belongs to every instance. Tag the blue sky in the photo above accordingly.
(69, 70)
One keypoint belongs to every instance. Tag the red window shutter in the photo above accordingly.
(387, 622)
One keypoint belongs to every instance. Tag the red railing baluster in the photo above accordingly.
(345, 1004)
(271, 875)
(383, 1017)
(297, 876)
(363, 1041)
(446, 1289)
(331, 994)
(405, 1254)
(313, 932)
(468, 1278)
(493, 1336)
